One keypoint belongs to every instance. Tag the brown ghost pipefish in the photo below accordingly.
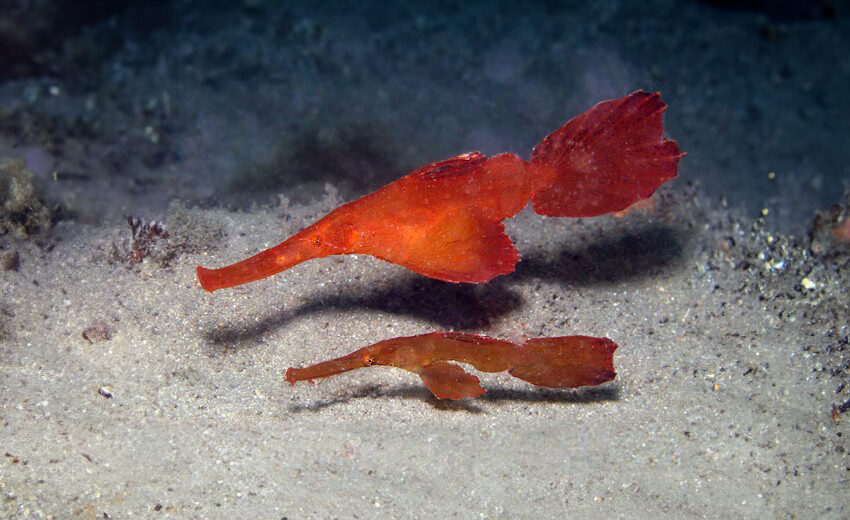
(444, 220)
(563, 362)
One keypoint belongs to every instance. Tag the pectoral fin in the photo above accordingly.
(459, 246)
(450, 381)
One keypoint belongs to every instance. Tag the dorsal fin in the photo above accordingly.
(456, 166)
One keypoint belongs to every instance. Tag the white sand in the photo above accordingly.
(718, 407)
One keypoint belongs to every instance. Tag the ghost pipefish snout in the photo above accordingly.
(324, 238)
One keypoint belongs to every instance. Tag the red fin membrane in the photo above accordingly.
(606, 159)
(469, 249)
(458, 166)
(450, 381)
(566, 362)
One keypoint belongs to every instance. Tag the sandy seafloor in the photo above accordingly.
(126, 391)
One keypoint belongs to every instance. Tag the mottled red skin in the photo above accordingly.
(563, 362)
(444, 220)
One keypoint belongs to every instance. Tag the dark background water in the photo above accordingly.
(120, 107)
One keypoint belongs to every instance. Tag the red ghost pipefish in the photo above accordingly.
(563, 362)
(444, 220)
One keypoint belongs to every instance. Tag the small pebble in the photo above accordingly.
(97, 332)
(10, 261)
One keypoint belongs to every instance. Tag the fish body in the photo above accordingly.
(444, 220)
